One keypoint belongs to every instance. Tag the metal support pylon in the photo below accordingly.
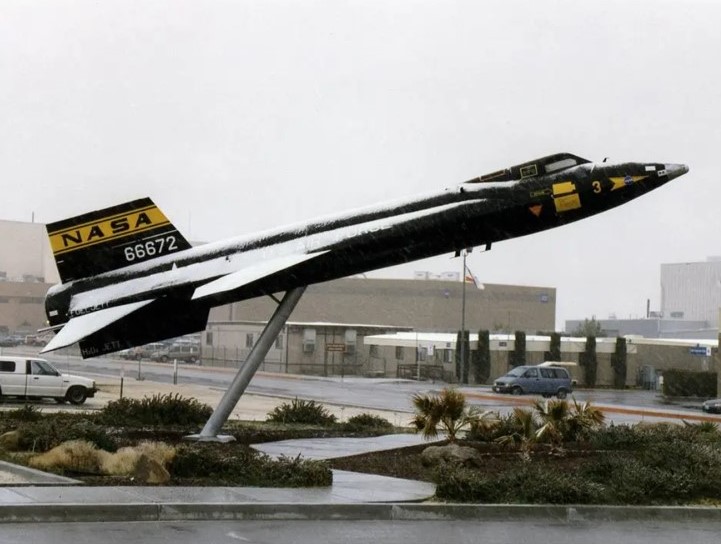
(247, 371)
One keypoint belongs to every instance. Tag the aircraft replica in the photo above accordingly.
(129, 277)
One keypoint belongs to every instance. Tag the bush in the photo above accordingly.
(307, 412)
(50, 432)
(26, 413)
(363, 422)
(528, 483)
(158, 410)
(247, 467)
(689, 383)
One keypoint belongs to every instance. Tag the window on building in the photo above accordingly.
(422, 354)
(308, 340)
(399, 353)
(373, 351)
(249, 340)
(279, 342)
(350, 340)
(209, 338)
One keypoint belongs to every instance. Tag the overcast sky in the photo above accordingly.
(239, 116)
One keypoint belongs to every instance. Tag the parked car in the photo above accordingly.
(540, 380)
(8, 342)
(712, 406)
(24, 377)
(184, 353)
(142, 352)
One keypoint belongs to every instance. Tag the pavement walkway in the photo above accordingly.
(32, 495)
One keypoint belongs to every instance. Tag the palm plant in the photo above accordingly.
(555, 417)
(564, 422)
(446, 410)
(524, 434)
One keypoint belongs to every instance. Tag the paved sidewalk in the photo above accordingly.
(46, 497)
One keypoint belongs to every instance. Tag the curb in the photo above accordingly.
(46, 513)
(35, 477)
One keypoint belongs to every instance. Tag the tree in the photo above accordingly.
(589, 327)
(481, 359)
(554, 349)
(618, 363)
(462, 366)
(518, 355)
(589, 361)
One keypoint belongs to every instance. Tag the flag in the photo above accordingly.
(468, 277)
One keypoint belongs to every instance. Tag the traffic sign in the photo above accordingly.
(698, 350)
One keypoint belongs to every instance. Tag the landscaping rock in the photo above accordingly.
(150, 471)
(451, 453)
(10, 441)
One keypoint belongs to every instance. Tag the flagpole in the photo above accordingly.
(463, 321)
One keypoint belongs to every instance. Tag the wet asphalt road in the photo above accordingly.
(362, 532)
(383, 394)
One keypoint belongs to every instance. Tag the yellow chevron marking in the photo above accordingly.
(621, 182)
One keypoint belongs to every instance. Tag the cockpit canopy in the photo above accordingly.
(540, 167)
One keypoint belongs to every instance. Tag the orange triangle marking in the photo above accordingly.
(536, 210)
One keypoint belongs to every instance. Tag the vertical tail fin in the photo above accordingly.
(112, 238)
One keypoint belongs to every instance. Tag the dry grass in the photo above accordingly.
(83, 457)
(74, 455)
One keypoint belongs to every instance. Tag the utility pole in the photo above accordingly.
(464, 363)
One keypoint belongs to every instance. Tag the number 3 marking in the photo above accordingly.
(596, 187)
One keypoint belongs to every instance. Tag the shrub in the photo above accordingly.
(689, 383)
(158, 410)
(363, 422)
(50, 432)
(526, 484)
(307, 412)
(247, 467)
(26, 413)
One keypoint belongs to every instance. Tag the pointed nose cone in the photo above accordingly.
(675, 170)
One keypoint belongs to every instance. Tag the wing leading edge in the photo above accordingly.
(83, 326)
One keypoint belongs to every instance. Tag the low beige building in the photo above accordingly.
(314, 348)
(647, 358)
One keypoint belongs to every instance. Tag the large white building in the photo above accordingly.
(692, 291)
(26, 254)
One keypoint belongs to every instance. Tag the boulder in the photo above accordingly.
(450, 454)
(150, 471)
(10, 441)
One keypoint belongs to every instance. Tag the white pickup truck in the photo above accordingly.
(32, 377)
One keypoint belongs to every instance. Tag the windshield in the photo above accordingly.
(517, 372)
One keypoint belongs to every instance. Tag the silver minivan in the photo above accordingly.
(543, 380)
